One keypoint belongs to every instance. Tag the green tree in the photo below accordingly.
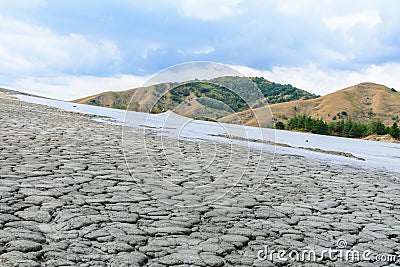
(394, 131)
(358, 130)
(280, 125)
(377, 127)
(346, 128)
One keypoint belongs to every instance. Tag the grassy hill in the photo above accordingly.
(121, 99)
(206, 99)
(211, 100)
(362, 103)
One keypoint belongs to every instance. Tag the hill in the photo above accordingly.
(209, 99)
(201, 99)
(362, 103)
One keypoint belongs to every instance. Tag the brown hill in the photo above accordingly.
(149, 99)
(122, 99)
(362, 102)
(202, 99)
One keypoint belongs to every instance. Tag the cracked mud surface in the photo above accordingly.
(67, 199)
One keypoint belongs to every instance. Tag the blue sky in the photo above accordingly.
(70, 49)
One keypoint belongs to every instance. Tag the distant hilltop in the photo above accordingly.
(362, 102)
(201, 98)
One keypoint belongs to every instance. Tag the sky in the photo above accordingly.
(71, 49)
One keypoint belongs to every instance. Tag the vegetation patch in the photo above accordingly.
(344, 128)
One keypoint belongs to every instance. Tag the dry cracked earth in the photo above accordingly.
(68, 198)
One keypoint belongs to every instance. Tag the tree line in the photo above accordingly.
(344, 128)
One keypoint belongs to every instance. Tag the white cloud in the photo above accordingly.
(324, 81)
(369, 18)
(199, 51)
(74, 87)
(291, 7)
(209, 10)
(282, 33)
(192, 70)
(205, 50)
(26, 48)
